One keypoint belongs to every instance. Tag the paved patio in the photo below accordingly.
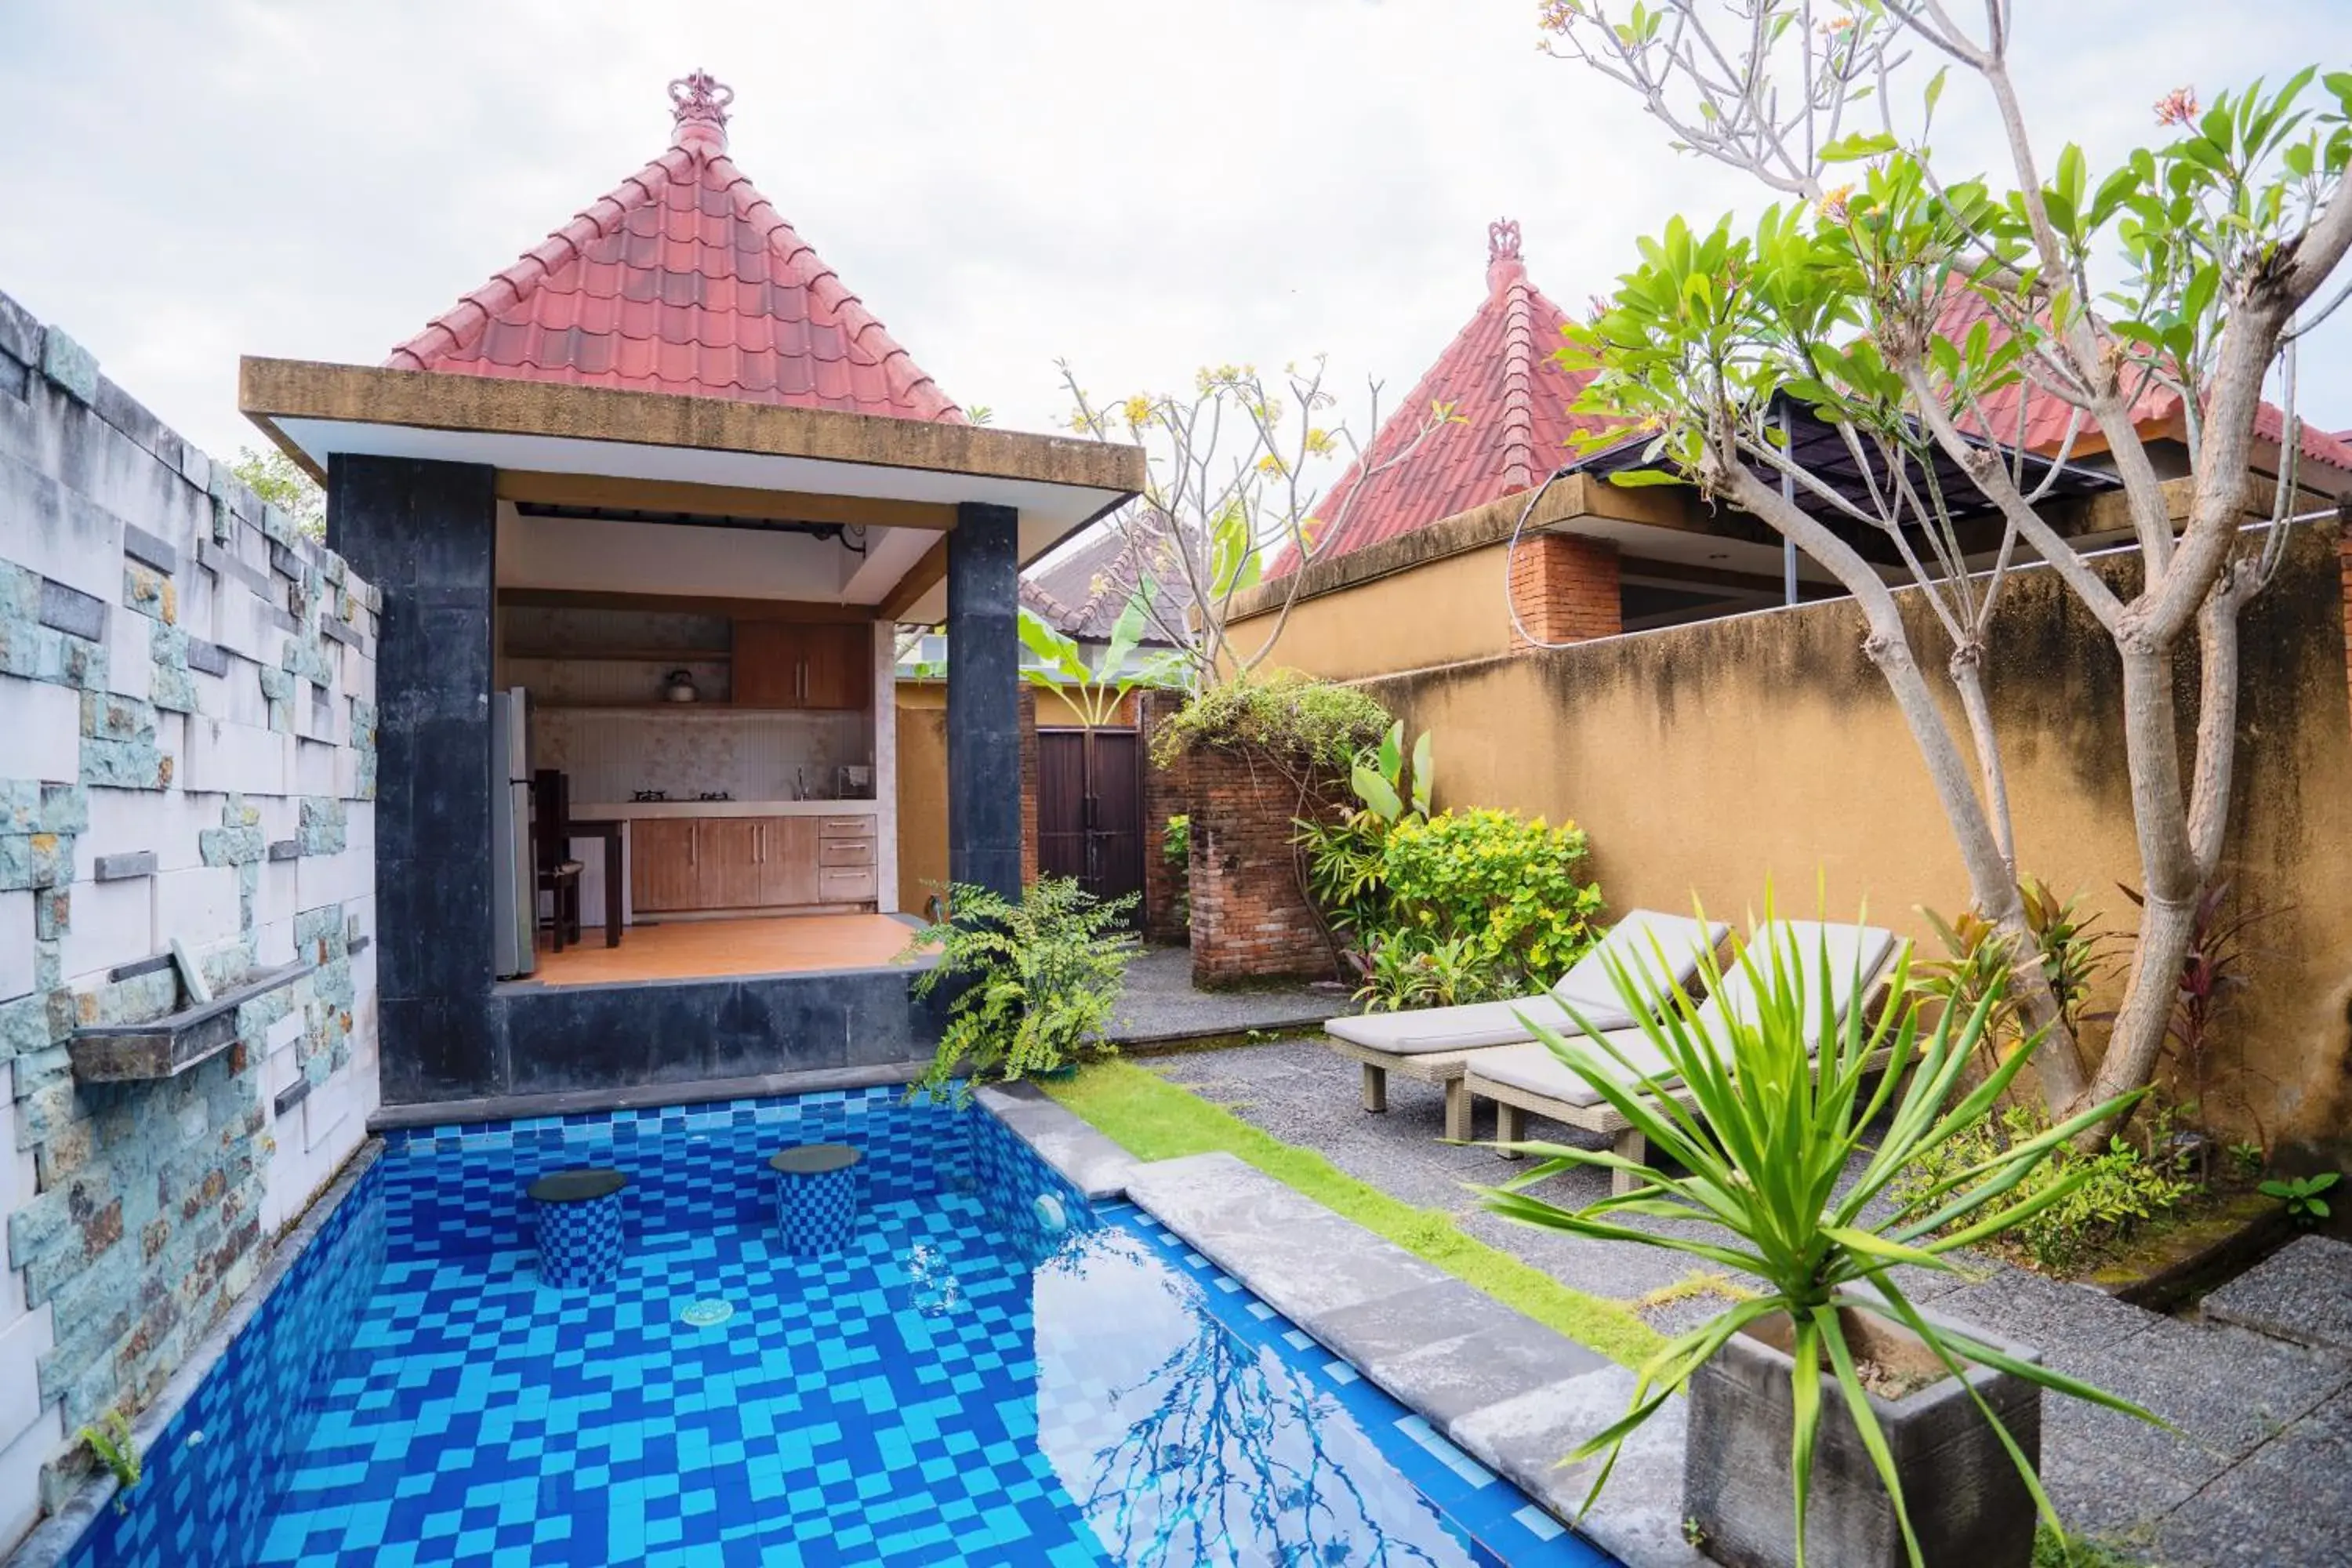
(2257, 1472)
(1159, 1006)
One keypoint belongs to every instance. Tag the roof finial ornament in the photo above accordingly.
(1504, 267)
(700, 111)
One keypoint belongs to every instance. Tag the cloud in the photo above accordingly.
(1138, 189)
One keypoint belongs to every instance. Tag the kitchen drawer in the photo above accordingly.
(846, 826)
(844, 852)
(845, 884)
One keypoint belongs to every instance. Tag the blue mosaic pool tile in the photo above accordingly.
(991, 1371)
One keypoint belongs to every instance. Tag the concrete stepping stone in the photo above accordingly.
(2303, 1293)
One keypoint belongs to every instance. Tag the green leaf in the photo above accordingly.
(1635, 479)
(1936, 89)
(1376, 794)
(1423, 778)
(1858, 146)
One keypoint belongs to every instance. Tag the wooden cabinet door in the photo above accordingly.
(837, 668)
(788, 860)
(727, 850)
(661, 864)
(767, 665)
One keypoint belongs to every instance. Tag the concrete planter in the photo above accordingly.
(1968, 1504)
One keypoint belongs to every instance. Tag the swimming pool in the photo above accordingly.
(994, 1372)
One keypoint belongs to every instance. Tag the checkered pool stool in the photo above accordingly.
(816, 1197)
(578, 1215)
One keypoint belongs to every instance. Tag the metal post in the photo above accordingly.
(1788, 494)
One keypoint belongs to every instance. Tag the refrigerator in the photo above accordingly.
(514, 889)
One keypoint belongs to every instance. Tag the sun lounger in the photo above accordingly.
(1435, 1044)
(1521, 1078)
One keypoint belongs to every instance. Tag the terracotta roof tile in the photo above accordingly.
(684, 280)
(2156, 410)
(1083, 588)
(1512, 395)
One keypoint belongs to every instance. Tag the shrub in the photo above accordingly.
(1406, 969)
(1507, 883)
(1289, 717)
(2116, 1191)
(1035, 980)
(1977, 962)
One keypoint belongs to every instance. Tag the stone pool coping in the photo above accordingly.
(56, 1535)
(1514, 1394)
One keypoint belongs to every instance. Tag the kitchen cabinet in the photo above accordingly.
(662, 870)
(788, 860)
(689, 865)
(727, 855)
(794, 664)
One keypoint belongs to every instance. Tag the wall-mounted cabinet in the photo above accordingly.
(795, 664)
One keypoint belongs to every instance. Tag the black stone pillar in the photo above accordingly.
(984, 700)
(424, 534)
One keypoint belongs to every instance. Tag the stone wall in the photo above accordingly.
(187, 730)
(1251, 920)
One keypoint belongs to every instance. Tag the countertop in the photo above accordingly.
(648, 808)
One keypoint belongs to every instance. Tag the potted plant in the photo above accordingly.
(1030, 983)
(1830, 1416)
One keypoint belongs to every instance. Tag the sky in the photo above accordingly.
(1140, 190)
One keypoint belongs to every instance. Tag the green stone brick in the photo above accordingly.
(108, 716)
(141, 999)
(73, 367)
(63, 660)
(276, 684)
(306, 658)
(21, 807)
(65, 808)
(37, 860)
(150, 592)
(124, 764)
(323, 827)
(231, 846)
(37, 1227)
(173, 689)
(52, 914)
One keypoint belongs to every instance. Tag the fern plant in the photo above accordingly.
(1033, 981)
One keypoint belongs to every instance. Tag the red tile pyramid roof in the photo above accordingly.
(684, 280)
(1514, 397)
(2155, 411)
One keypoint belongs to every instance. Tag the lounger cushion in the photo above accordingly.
(1585, 987)
(1467, 1028)
(1635, 943)
(1857, 954)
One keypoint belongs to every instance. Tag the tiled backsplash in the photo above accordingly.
(751, 756)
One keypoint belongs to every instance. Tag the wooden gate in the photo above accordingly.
(1090, 810)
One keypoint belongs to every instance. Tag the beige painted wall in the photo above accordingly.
(1442, 612)
(1704, 759)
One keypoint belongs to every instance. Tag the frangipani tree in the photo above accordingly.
(1908, 308)
(1235, 465)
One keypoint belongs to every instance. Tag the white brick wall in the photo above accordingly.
(199, 906)
(240, 757)
(113, 922)
(15, 944)
(43, 726)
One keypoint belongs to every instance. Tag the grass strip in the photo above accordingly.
(1153, 1118)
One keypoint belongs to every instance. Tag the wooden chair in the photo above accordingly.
(550, 838)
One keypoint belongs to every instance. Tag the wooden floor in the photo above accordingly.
(698, 950)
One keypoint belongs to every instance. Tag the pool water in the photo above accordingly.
(994, 1372)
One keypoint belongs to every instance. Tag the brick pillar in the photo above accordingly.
(1565, 589)
(1250, 921)
(2344, 561)
(1166, 792)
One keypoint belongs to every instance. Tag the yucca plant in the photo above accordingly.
(1761, 1159)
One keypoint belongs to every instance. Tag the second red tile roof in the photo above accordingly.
(683, 279)
(1512, 397)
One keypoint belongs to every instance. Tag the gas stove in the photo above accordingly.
(642, 795)
(714, 794)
